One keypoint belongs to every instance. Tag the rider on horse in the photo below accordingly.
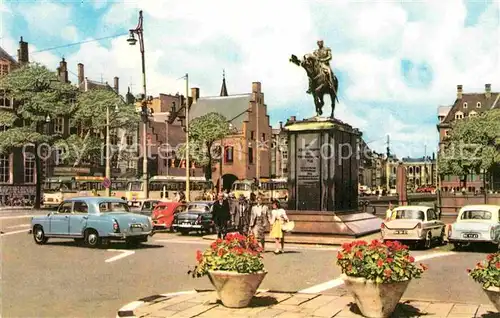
(324, 56)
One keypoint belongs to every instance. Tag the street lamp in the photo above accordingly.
(167, 120)
(108, 141)
(139, 30)
(48, 119)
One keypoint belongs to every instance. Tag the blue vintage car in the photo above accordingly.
(476, 224)
(92, 220)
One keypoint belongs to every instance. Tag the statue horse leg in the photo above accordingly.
(318, 103)
(333, 94)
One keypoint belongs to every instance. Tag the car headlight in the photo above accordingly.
(150, 221)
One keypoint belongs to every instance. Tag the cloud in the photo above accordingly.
(398, 61)
(70, 33)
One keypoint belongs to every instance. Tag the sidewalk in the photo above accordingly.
(289, 305)
(315, 239)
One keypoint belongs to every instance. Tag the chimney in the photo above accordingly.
(256, 87)
(293, 118)
(487, 90)
(63, 71)
(459, 91)
(81, 74)
(116, 85)
(22, 52)
(195, 94)
(281, 125)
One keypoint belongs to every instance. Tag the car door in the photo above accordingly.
(78, 219)
(432, 223)
(59, 221)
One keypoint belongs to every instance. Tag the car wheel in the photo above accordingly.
(39, 235)
(442, 236)
(458, 246)
(428, 241)
(92, 238)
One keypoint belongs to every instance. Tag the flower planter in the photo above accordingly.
(375, 300)
(493, 294)
(236, 290)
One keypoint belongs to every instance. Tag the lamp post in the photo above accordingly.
(167, 119)
(108, 141)
(187, 138)
(139, 30)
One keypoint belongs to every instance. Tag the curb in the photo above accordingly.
(270, 240)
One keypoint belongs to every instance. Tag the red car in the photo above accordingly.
(163, 214)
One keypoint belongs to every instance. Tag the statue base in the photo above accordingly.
(353, 223)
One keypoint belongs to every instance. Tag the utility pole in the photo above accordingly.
(257, 139)
(387, 167)
(187, 138)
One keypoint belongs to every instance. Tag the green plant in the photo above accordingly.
(487, 272)
(379, 262)
(236, 253)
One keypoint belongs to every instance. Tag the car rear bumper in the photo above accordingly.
(454, 240)
(190, 226)
(124, 236)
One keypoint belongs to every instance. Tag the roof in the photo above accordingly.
(233, 107)
(486, 207)
(90, 84)
(413, 207)
(472, 100)
(415, 160)
(96, 200)
(6, 56)
(444, 110)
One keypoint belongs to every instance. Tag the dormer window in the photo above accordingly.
(459, 115)
(478, 105)
(465, 105)
(447, 132)
(472, 114)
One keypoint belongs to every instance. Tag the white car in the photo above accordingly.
(476, 224)
(414, 224)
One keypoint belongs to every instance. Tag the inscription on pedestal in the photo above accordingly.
(308, 172)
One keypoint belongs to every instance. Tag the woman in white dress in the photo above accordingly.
(277, 218)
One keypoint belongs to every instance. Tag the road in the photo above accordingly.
(64, 279)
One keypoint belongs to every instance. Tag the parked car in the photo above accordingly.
(92, 220)
(163, 214)
(197, 217)
(476, 224)
(418, 225)
(148, 206)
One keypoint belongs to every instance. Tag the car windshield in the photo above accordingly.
(107, 207)
(476, 215)
(149, 205)
(409, 215)
(199, 207)
(241, 187)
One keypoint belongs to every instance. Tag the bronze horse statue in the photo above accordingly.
(320, 83)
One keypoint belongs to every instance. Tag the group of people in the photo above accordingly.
(250, 217)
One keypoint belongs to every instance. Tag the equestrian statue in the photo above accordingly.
(321, 78)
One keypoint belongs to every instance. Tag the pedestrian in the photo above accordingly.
(388, 213)
(241, 213)
(182, 196)
(221, 215)
(277, 218)
(259, 218)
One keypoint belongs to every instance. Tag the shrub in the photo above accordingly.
(487, 272)
(379, 262)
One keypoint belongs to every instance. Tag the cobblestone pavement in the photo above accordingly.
(278, 304)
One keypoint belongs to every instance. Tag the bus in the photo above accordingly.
(57, 189)
(119, 187)
(274, 189)
(165, 187)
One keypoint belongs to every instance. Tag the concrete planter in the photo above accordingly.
(375, 300)
(236, 290)
(493, 294)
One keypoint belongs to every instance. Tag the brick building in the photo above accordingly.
(279, 153)
(465, 105)
(419, 171)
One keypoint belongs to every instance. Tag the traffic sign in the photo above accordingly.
(106, 183)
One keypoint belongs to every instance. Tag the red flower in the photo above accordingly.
(359, 254)
(389, 260)
(213, 245)
(412, 259)
(199, 256)
(340, 255)
(497, 265)
(380, 263)
(490, 257)
(388, 272)
(221, 252)
(218, 241)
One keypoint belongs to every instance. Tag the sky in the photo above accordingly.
(396, 61)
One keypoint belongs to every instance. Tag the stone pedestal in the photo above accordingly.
(323, 158)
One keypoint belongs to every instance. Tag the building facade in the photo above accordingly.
(420, 172)
(279, 153)
(465, 105)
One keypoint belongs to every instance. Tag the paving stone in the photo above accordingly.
(463, 310)
(333, 308)
(438, 309)
(193, 311)
(180, 306)
(270, 312)
(210, 297)
(485, 310)
(347, 313)
(278, 296)
(298, 299)
(288, 314)
(162, 314)
(214, 313)
(413, 308)
(317, 302)
(288, 308)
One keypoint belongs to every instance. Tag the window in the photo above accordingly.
(130, 140)
(472, 114)
(113, 136)
(250, 155)
(3, 128)
(431, 215)
(263, 137)
(4, 169)
(59, 156)
(4, 70)
(29, 168)
(228, 154)
(409, 215)
(478, 105)
(5, 101)
(417, 170)
(459, 115)
(476, 215)
(284, 154)
(80, 207)
(72, 127)
(59, 125)
(252, 135)
(65, 207)
(465, 105)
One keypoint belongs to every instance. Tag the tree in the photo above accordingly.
(90, 113)
(38, 94)
(204, 133)
(473, 146)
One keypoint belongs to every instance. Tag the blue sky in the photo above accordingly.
(396, 62)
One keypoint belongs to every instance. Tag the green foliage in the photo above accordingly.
(473, 145)
(236, 253)
(378, 262)
(487, 272)
(204, 131)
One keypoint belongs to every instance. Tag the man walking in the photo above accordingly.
(241, 215)
(221, 215)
